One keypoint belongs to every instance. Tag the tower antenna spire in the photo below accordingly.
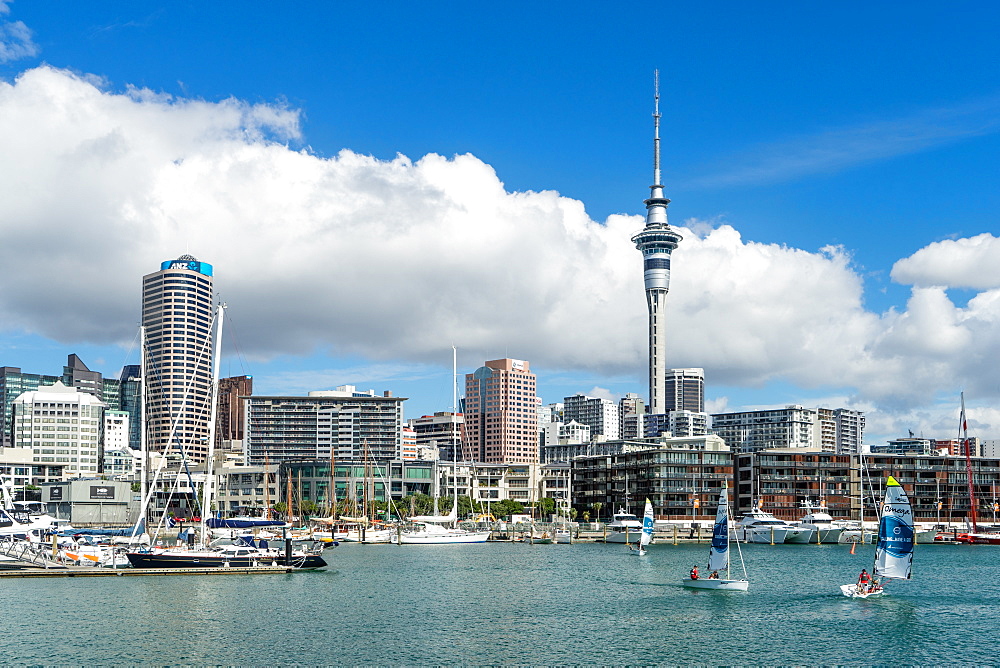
(656, 128)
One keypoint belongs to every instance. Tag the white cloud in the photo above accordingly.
(15, 39)
(957, 263)
(603, 393)
(395, 261)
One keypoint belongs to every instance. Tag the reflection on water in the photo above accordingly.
(517, 603)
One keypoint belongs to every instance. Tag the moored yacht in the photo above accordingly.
(820, 523)
(623, 528)
(758, 526)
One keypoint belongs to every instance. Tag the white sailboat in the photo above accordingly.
(718, 554)
(646, 537)
(894, 550)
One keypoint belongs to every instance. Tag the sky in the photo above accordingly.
(376, 183)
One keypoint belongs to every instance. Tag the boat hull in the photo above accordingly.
(440, 539)
(166, 560)
(852, 591)
(717, 585)
(979, 538)
(801, 536)
(622, 537)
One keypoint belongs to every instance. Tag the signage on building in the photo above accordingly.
(517, 365)
(102, 493)
(55, 493)
(203, 268)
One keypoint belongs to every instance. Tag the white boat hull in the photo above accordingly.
(717, 585)
(761, 535)
(419, 538)
(370, 536)
(800, 536)
(852, 591)
(622, 536)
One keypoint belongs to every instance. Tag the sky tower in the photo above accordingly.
(656, 241)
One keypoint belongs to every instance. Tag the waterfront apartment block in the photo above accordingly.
(781, 480)
(680, 476)
(61, 425)
(343, 424)
(831, 430)
(501, 414)
(177, 319)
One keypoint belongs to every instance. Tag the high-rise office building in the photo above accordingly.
(501, 414)
(177, 317)
(130, 401)
(232, 410)
(443, 431)
(601, 415)
(14, 382)
(656, 241)
(684, 390)
(61, 424)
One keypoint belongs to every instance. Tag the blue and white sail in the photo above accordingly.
(718, 554)
(894, 551)
(647, 525)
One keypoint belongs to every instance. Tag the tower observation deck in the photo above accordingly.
(656, 241)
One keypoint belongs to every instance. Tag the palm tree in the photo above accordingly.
(597, 505)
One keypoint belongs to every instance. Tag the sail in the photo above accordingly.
(894, 551)
(647, 525)
(439, 519)
(718, 554)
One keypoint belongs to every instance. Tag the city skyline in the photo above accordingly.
(835, 198)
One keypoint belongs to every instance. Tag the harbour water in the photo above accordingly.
(515, 603)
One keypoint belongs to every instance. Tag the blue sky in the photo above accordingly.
(808, 149)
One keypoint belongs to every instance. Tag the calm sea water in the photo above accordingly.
(519, 604)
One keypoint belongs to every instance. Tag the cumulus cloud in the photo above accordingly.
(957, 263)
(394, 261)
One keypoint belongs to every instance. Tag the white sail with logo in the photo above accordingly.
(894, 551)
(718, 554)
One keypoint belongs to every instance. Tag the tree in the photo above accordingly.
(507, 507)
(597, 505)
(586, 516)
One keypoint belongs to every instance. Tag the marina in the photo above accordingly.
(560, 604)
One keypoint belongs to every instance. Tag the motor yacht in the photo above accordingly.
(624, 527)
(820, 523)
(758, 526)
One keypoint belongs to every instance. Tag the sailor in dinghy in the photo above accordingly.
(894, 551)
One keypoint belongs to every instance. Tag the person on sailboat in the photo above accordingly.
(864, 580)
(714, 575)
(694, 572)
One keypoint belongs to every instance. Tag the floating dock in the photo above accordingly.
(96, 572)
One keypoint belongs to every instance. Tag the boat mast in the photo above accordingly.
(964, 433)
(267, 484)
(333, 482)
(144, 456)
(212, 416)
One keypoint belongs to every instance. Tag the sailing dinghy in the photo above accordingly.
(646, 537)
(718, 554)
(894, 551)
